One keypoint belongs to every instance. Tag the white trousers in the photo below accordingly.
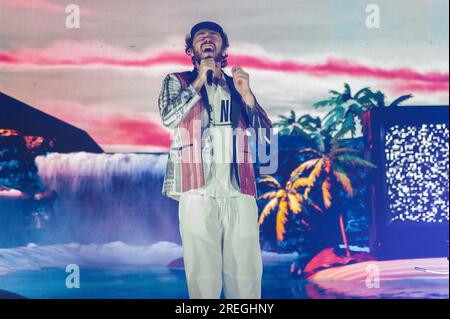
(221, 249)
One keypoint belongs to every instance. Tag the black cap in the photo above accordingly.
(207, 25)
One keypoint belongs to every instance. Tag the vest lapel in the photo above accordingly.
(203, 93)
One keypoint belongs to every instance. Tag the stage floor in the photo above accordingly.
(398, 279)
(120, 270)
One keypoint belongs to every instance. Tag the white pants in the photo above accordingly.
(221, 247)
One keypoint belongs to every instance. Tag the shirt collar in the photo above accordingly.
(222, 81)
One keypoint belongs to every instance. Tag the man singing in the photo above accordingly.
(210, 168)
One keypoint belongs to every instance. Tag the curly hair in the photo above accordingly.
(225, 44)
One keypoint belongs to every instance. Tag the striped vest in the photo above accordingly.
(192, 171)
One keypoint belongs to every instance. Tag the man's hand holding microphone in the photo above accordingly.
(206, 65)
(241, 79)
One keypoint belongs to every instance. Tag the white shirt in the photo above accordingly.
(218, 183)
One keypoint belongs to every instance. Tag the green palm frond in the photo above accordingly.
(310, 123)
(355, 109)
(342, 150)
(310, 150)
(354, 160)
(292, 116)
(363, 91)
(324, 103)
(335, 114)
(347, 95)
(298, 130)
(380, 99)
(349, 124)
(332, 115)
(335, 93)
(400, 100)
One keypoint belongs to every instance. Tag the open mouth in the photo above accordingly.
(209, 47)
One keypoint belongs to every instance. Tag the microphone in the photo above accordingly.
(209, 73)
(209, 77)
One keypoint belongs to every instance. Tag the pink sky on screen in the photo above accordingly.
(116, 71)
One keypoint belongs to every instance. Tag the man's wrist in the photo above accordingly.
(198, 83)
(249, 99)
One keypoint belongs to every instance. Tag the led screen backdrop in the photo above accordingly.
(417, 173)
(410, 186)
(84, 150)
